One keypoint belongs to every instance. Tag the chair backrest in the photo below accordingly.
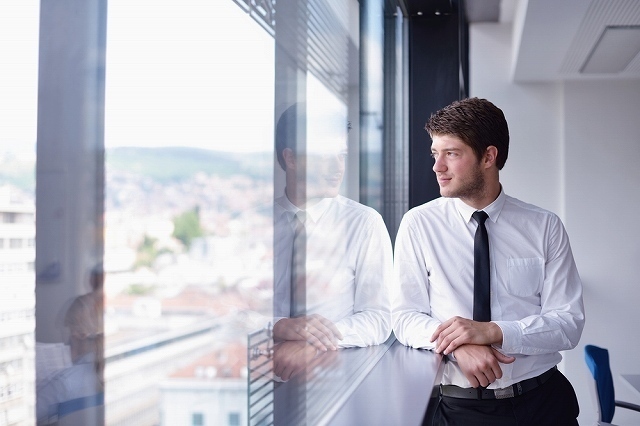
(597, 360)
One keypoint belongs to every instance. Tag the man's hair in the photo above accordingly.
(323, 126)
(477, 122)
(286, 133)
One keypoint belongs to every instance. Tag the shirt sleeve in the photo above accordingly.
(559, 324)
(370, 323)
(412, 323)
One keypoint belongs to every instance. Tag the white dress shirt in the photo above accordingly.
(536, 292)
(348, 267)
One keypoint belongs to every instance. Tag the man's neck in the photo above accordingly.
(300, 202)
(488, 196)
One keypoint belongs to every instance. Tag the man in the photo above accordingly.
(502, 371)
(347, 257)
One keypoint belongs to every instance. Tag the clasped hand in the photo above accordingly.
(313, 329)
(471, 341)
(459, 331)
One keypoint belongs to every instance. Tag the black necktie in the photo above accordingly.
(298, 265)
(481, 271)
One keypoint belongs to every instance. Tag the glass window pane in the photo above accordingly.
(18, 97)
(159, 257)
(189, 184)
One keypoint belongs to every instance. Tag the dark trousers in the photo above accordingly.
(552, 403)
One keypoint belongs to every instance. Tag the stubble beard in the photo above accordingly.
(471, 188)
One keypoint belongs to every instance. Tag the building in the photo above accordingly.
(210, 391)
(17, 320)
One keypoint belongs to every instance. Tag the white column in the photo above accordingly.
(70, 156)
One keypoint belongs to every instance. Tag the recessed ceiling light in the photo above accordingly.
(615, 49)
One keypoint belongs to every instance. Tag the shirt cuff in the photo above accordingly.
(349, 337)
(511, 336)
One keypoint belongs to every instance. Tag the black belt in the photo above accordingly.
(516, 389)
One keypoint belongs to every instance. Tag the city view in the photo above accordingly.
(152, 273)
(182, 287)
(187, 216)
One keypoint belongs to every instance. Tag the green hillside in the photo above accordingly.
(176, 164)
(160, 164)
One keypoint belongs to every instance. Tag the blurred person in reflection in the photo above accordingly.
(85, 320)
(347, 252)
(502, 317)
(81, 384)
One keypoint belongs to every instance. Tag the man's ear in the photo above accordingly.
(289, 158)
(490, 156)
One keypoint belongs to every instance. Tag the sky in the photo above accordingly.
(18, 74)
(195, 73)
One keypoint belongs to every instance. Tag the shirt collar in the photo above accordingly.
(314, 212)
(492, 210)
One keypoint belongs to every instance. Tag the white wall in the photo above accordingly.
(602, 169)
(533, 112)
(575, 150)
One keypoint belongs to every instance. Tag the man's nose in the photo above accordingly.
(438, 165)
(336, 163)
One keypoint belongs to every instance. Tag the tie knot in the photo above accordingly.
(300, 216)
(480, 216)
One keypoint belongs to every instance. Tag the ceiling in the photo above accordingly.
(557, 40)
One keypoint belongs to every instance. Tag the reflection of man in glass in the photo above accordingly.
(346, 251)
(80, 385)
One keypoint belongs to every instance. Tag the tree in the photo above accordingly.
(147, 251)
(186, 226)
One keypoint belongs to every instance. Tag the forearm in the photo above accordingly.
(540, 334)
(364, 328)
(370, 322)
(414, 328)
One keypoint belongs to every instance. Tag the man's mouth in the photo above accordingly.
(334, 180)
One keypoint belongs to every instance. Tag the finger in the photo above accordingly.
(333, 328)
(277, 369)
(450, 342)
(440, 329)
(444, 337)
(473, 381)
(327, 327)
(436, 334)
(495, 370)
(309, 334)
(317, 339)
(505, 359)
(491, 376)
(286, 373)
(483, 380)
(323, 333)
(497, 373)
(443, 342)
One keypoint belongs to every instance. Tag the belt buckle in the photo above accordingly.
(504, 393)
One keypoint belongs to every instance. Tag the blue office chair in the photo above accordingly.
(597, 360)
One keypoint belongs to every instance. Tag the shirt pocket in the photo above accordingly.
(525, 276)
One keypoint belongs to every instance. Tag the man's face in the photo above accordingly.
(318, 171)
(325, 172)
(457, 168)
(326, 153)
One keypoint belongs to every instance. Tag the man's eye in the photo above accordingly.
(434, 155)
